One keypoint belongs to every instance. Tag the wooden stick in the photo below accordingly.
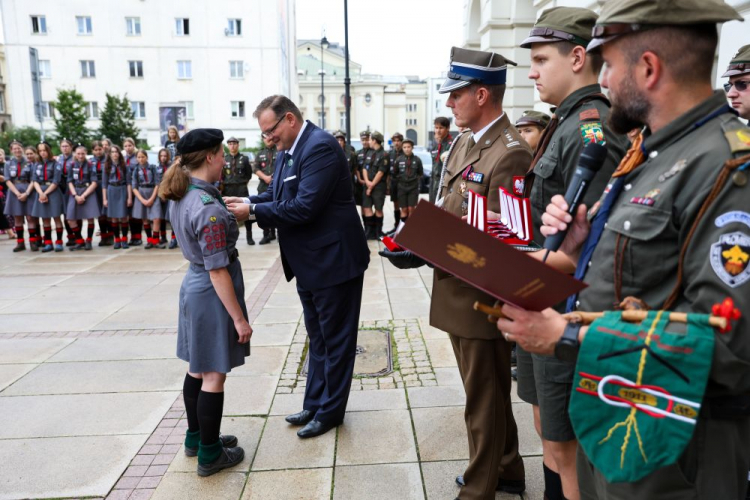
(586, 318)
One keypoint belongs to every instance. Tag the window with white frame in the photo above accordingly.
(2, 101)
(39, 25)
(238, 109)
(84, 25)
(321, 115)
(182, 26)
(48, 109)
(234, 28)
(236, 69)
(139, 109)
(136, 69)
(184, 70)
(92, 110)
(88, 69)
(342, 120)
(45, 68)
(133, 26)
(189, 112)
(411, 108)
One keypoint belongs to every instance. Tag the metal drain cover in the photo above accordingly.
(373, 354)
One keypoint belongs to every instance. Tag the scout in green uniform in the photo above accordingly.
(408, 171)
(374, 177)
(737, 89)
(264, 166)
(361, 156)
(351, 157)
(441, 145)
(237, 173)
(396, 142)
(672, 230)
(531, 125)
(566, 78)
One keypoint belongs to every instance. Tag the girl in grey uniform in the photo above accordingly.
(136, 225)
(164, 160)
(82, 203)
(117, 195)
(147, 206)
(65, 160)
(213, 333)
(98, 161)
(17, 173)
(47, 177)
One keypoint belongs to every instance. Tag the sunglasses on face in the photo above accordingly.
(740, 85)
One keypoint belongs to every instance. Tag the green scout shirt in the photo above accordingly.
(377, 162)
(237, 169)
(437, 166)
(580, 123)
(408, 171)
(265, 161)
(393, 155)
(652, 217)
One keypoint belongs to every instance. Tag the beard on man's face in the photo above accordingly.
(629, 108)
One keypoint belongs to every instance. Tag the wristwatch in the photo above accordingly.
(566, 348)
(252, 208)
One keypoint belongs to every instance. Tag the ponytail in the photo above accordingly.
(176, 180)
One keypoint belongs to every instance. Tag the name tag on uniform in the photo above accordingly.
(290, 178)
(475, 177)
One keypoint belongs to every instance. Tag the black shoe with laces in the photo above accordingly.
(229, 457)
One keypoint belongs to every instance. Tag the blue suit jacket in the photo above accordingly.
(311, 204)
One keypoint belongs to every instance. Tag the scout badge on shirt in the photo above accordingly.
(730, 257)
(638, 390)
(592, 132)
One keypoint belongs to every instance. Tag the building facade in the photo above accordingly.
(387, 104)
(193, 64)
(501, 26)
(5, 114)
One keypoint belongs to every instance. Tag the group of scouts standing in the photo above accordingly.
(665, 221)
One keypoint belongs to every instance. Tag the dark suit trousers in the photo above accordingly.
(332, 321)
(484, 366)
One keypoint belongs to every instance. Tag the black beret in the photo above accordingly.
(200, 139)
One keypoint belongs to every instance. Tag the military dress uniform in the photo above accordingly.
(580, 119)
(265, 161)
(237, 173)
(438, 153)
(408, 171)
(481, 163)
(678, 234)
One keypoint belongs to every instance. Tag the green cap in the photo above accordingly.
(377, 136)
(398, 136)
(740, 63)
(562, 24)
(364, 133)
(339, 134)
(532, 117)
(623, 17)
(409, 141)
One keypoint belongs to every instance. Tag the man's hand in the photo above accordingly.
(403, 260)
(232, 199)
(557, 218)
(536, 332)
(240, 210)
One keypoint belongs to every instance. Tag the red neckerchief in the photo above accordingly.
(145, 175)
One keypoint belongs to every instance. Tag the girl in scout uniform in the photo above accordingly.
(65, 161)
(82, 202)
(164, 161)
(49, 204)
(98, 161)
(117, 195)
(17, 173)
(147, 206)
(409, 171)
(136, 225)
(35, 239)
(213, 332)
(5, 225)
(173, 136)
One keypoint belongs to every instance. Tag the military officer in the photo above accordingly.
(530, 125)
(396, 141)
(264, 167)
(441, 145)
(672, 231)
(362, 156)
(739, 78)
(374, 177)
(567, 78)
(489, 155)
(408, 171)
(237, 173)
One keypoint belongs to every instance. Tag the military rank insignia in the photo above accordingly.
(592, 132)
(730, 257)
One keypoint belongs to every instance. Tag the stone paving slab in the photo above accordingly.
(188, 486)
(11, 373)
(280, 448)
(13, 283)
(300, 484)
(52, 467)
(288, 314)
(280, 334)
(133, 320)
(118, 349)
(372, 312)
(30, 350)
(265, 360)
(286, 404)
(383, 399)
(15, 294)
(441, 433)
(425, 397)
(15, 323)
(104, 376)
(119, 279)
(441, 353)
(378, 482)
(83, 414)
(249, 395)
(376, 437)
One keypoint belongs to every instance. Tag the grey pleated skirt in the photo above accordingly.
(53, 208)
(89, 209)
(206, 337)
(140, 211)
(117, 201)
(18, 208)
(100, 199)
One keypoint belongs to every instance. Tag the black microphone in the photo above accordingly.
(591, 160)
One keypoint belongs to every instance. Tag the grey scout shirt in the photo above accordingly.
(144, 176)
(651, 219)
(205, 230)
(117, 176)
(47, 172)
(81, 174)
(17, 170)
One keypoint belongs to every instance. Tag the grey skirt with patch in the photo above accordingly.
(206, 337)
(141, 211)
(54, 207)
(117, 201)
(88, 210)
(15, 207)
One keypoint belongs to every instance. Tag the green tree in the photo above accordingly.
(70, 116)
(28, 136)
(117, 119)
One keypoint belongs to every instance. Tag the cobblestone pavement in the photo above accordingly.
(90, 388)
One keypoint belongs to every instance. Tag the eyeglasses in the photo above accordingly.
(740, 85)
(268, 133)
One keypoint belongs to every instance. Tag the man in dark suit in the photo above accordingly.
(322, 244)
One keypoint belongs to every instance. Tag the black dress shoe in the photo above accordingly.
(229, 457)
(227, 441)
(300, 418)
(315, 428)
(512, 486)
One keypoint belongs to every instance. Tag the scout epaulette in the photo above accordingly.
(590, 125)
(738, 138)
